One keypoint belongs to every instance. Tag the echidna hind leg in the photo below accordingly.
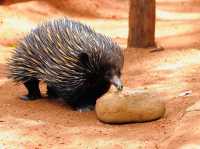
(33, 90)
(51, 92)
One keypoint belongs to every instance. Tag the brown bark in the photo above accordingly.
(141, 23)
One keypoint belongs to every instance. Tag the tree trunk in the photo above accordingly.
(141, 23)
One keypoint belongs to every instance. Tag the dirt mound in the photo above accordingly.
(90, 8)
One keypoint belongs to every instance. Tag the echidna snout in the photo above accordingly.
(113, 76)
(116, 81)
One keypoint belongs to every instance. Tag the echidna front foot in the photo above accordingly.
(51, 92)
(33, 90)
(85, 108)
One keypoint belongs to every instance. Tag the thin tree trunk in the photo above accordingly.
(141, 23)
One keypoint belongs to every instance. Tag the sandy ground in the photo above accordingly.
(173, 74)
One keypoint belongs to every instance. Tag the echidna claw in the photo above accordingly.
(28, 98)
(85, 109)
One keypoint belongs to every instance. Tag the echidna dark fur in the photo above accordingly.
(78, 64)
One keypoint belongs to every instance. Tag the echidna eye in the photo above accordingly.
(119, 73)
(108, 74)
(84, 58)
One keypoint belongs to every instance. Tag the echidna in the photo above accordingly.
(75, 62)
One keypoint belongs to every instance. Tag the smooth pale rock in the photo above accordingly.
(129, 106)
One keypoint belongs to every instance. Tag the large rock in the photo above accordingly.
(129, 106)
